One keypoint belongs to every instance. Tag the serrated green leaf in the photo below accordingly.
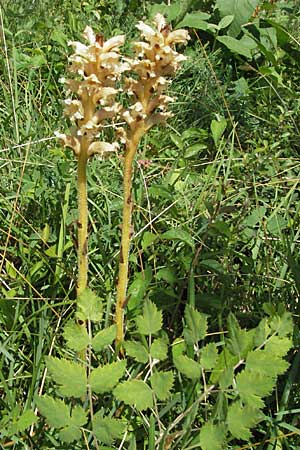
(226, 361)
(151, 320)
(187, 366)
(283, 324)
(70, 376)
(24, 421)
(89, 306)
(178, 347)
(69, 434)
(262, 331)
(135, 393)
(159, 349)
(241, 419)
(161, 383)
(212, 437)
(252, 386)
(107, 429)
(240, 341)
(76, 336)
(103, 379)
(266, 362)
(209, 355)
(104, 338)
(72, 432)
(196, 325)
(226, 378)
(137, 351)
(278, 346)
(57, 413)
(177, 234)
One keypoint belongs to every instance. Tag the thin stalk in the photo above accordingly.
(82, 222)
(131, 149)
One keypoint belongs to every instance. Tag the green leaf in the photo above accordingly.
(148, 239)
(166, 274)
(242, 11)
(138, 288)
(70, 376)
(212, 437)
(196, 325)
(226, 361)
(177, 140)
(194, 150)
(177, 234)
(278, 346)
(161, 383)
(76, 336)
(57, 413)
(209, 355)
(24, 421)
(241, 419)
(103, 379)
(266, 362)
(106, 429)
(242, 47)
(283, 324)
(104, 338)
(225, 22)
(217, 129)
(252, 386)
(72, 432)
(151, 320)
(135, 393)
(212, 264)
(195, 20)
(187, 366)
(159, 349)
(226, 378)
(137, 351)
(240, 341)
(89, 306)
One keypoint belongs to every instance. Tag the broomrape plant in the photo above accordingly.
(107, 395)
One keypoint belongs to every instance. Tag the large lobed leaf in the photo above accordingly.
(70, 376)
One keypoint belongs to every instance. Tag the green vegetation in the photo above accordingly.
(210, 358)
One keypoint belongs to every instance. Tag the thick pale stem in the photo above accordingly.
(131, 149)
(82, 222)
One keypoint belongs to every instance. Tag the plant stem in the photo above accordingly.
(82, 221)
(131, 149)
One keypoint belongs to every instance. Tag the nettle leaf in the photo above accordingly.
(135, 393)
(104, 338)
(137, 351)
(103, 379)
(57, 413)
(151, 320)
(196, 325)
(241, 419)
(89, 306)
(106, 429)
(161, 383)
(159, 349)
(240, 341)
(76, 336)
(70, 376)
(212, 437)
(187, 366)
(209, 355)
(251, 386)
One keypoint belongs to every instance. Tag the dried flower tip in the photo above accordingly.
(102, 148)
